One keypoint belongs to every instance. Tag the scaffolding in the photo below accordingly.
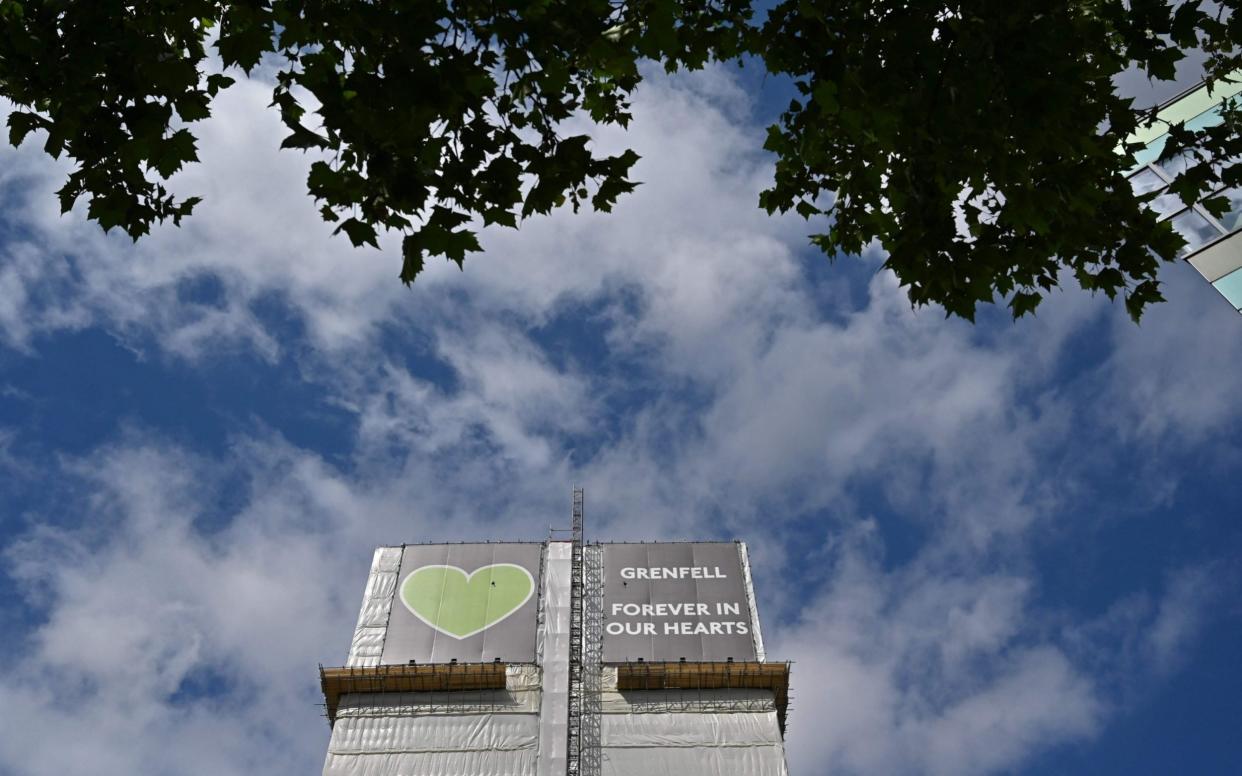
(455, 678)
(592, 660)
(576, 689)
(693, 686)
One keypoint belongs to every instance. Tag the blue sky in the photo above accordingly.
(1006, 548)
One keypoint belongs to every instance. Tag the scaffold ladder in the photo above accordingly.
(574, 739)
(592, 662)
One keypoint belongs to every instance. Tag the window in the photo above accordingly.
(1195, 224)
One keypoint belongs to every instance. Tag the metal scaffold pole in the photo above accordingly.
(585, 643)
(592, 660)
(576, 688)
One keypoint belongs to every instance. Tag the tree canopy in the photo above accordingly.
(982, 144)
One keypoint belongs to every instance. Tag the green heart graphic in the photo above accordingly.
(459, 604)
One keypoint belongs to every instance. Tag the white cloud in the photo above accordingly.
(138, 602)
(915, 671)
(1182, 611)
(727, 401)
(1172, 379)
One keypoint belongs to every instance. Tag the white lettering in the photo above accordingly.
(673, 572)
(630, 628)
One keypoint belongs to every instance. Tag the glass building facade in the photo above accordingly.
(1212, 244)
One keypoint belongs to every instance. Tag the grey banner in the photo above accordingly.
(669, 601)
(466, 602)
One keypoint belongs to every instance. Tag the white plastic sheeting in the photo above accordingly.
(368, 641)
(760, 655)
(689, 743)
(725, 699)
(483, 733)
(373, 734)
(554, 703)
(432, 764)
(693, 761)
(710, 732)
(680, 729)
(486, 744)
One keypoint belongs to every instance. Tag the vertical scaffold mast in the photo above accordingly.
(575, 640)
(590, 749)
(585, 644)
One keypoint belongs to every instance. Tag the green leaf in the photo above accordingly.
(193, 106)
(217, 82)
(245, 34)
(806, 209)
(1024, 302)
(22, 124)
(411, 258)
(1217, 206)
(303, 138)
(170, 154)
(360, 233)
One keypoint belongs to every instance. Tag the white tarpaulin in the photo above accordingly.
(690, 729)
(694, 761)
(434, 733)
(462, 734)
(554, 707)
(760, 653)
(639, 701)
(368, 641)
(433, 764)
(690, 743)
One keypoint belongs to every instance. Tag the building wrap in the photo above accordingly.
(468, 660)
